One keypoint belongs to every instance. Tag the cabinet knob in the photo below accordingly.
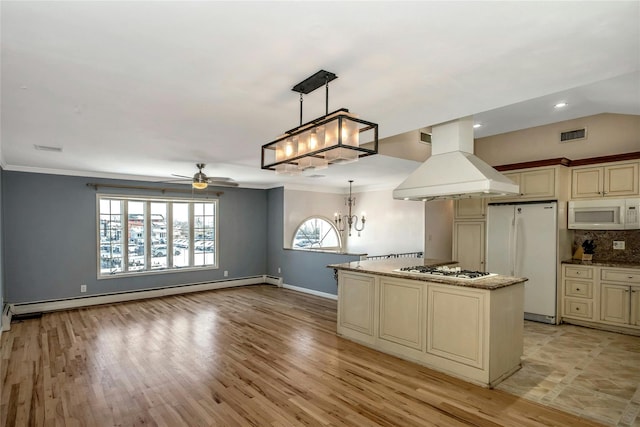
(577, 308)
(629, 277)
(577, 289)
(578, 273)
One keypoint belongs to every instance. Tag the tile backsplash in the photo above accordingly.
(603, 239)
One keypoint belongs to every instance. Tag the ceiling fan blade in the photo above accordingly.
(181, 176)
(223, 183)
(218, 178)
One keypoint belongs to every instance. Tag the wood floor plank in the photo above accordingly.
(259, 355)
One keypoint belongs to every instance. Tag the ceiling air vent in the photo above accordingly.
(572, 135)
(425, 138)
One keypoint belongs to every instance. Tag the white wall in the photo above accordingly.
(607, 134)
(438, 219)
(300, 205)
(392, 226)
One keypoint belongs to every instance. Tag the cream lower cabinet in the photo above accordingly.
(614, 303)
(619, 289)
(457, 324)
(402, 312)
(469, 244)
(357, 309)
(635, 306)
(578, 292)
(474, 334)
(601, 297)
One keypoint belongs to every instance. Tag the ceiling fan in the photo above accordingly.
(200, 181)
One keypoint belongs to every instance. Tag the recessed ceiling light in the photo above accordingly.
(477, 125)
(560, 105)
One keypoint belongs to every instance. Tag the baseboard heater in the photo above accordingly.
(70, 303)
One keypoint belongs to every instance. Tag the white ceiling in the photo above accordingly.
(146, 89)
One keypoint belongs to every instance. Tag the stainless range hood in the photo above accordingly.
(452, 171)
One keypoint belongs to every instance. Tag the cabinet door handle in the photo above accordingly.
(629, 277)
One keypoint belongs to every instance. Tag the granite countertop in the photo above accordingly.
(385, 268)
(602, 263)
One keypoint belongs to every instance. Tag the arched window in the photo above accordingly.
(316, 233)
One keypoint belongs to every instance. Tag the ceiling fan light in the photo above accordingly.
(199, 185)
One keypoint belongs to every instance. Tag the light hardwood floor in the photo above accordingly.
(256, 355)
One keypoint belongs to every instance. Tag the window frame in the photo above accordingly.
(321, 248)
(147, 232)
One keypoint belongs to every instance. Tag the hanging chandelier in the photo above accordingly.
(334, 138)
(349, 220)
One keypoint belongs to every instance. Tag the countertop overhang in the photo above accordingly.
(386, 267)
(602, 263)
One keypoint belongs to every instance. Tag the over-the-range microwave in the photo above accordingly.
(605, 214)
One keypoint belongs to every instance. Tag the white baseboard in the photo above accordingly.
(66, 304)
(272, 280)
(311, 291)
(6, 318)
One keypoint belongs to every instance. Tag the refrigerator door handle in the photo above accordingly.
(514, 245)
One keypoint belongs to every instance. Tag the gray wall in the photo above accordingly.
(2, 298)
(50, 238)
(304, 269)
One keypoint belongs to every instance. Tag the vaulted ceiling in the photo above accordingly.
(147, 89)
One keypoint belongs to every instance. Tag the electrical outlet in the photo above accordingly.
(279, 270)
(226, 273)
(618, 244)
(83, 288)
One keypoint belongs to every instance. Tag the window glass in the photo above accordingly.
(316, 232)
(181, 235)
(204, 234)
(160, 234)
(136, 233)
(110, 236)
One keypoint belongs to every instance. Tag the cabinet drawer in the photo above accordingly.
(578, 308)
(575, 288)
(578, 272)
(627, 276)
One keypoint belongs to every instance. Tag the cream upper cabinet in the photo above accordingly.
(470, 208)
(468, 244)
(539, 183)
(616, 180)
(535, 184)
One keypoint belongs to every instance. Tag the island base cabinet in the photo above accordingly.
(357, 296)
(456, 324)
(470, 333)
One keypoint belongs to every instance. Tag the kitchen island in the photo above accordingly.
(471, 329)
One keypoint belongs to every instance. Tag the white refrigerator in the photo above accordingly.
(522, 242)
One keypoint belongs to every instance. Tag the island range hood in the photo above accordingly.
(452, 171)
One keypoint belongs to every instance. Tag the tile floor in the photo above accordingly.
(590, 373)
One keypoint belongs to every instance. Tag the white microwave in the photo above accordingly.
(604, 214)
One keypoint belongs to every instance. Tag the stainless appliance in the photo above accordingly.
(446, 271)
(522, 242)
(604, 214)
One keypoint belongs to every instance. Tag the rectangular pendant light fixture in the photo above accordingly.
(334, 138)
